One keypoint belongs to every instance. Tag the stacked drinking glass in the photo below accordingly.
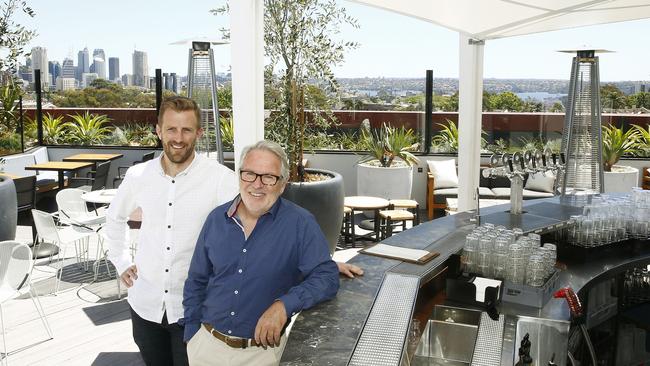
(496, 252)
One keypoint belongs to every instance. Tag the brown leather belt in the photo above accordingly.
(234, 342)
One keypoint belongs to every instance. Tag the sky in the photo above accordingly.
(391, 45)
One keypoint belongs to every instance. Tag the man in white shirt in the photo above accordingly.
(176, 192)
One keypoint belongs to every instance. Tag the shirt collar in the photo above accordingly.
(195, 162)
(234, 205)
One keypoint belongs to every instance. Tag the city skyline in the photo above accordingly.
(391, 45)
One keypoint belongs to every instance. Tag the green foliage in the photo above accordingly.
(104, 94)
(13, 36)
(9, 94)
(557, 107)
(132, 134)
(447, 103)
(506, 101)
(643, 141)
(447, 139)
(639, 100)
(227, 132)
(9, 143)
(611, 97)
(389, 143)
(616, 143)
(55, 131)
(88, 129)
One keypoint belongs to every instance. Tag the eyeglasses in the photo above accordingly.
(250, 177)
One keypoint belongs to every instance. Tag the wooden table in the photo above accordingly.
(362, 203)
(60, 167)
(95, 158)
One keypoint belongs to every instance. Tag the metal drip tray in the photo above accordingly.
(448, 338)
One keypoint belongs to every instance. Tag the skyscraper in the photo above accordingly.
(99, 67)
(54, 68)
(83, 63)
(113, 68)
(99, 60)
(39, 62)
(140, 69)
(67, 69)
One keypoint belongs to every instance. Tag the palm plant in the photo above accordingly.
(616, 143)
(88, 129)
(643, 142)
(54, 130)
(389, 143)
(227, 133)
(447, 139)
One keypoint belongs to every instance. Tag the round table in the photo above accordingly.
(363, 203)
(104, 196)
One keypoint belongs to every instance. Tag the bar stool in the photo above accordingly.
(346, 230)
(408, 205)
(390, 218)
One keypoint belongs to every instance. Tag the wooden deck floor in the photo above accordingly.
(90, 325)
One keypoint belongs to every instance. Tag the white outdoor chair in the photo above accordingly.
(15, 280)
(63, 237)
(73, 209)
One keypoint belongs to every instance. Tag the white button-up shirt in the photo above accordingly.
(173, 212)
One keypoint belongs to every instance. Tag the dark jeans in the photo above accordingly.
(160, 344)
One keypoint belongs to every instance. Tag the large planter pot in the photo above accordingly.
(621, 179)
(324, 199)
(394, 182)
(8, 209)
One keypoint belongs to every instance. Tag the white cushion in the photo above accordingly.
(40, 155)
(15, 164)
(541, 182)
(444, 173)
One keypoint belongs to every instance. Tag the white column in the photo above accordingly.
(470, 97)
(247, 61)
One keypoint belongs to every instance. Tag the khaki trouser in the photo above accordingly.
(205, 350)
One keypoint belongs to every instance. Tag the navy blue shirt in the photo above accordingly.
(233, 280)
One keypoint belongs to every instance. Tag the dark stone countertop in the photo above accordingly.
(327, 333)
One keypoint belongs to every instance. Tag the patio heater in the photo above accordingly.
(581, 135)
(202, 88)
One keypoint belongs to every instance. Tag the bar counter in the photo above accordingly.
(364, 326)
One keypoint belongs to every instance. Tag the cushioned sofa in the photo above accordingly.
(541, 186)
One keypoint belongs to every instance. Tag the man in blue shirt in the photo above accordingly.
(259, 260)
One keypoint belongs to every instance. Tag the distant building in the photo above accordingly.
(140, 69)
(83, 62)
(87, 78)
(127, 80)
(640, 86)
(63, 83)
(39, 62)
(67, 69)
(99, 67)
(113, 68)
(174, 82)
(54, 68)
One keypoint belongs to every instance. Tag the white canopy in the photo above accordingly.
(491, 19)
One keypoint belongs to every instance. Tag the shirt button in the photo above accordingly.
(173, 181)
(168, 248)
(170, 203)
(229, 331)
(166, 291)
(169, 226)
(240, 271)
(244, 250)
(236, 292)
(166, 270)
(232, 313)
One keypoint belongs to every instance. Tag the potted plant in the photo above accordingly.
(387, 170)
(302, 45)
(616, 143)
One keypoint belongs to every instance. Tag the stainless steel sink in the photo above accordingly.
(448, 338)
(547, 337)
